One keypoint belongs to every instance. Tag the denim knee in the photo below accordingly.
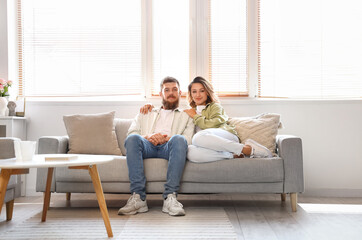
(132, 139)
(178, 140)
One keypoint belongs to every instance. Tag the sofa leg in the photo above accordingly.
(68, 196)
(293, 201)
(283, 196)
(9, 210)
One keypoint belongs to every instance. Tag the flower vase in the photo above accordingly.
(3, 106)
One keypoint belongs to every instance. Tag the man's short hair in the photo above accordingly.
(168, 80)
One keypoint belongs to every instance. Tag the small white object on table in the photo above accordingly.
(82, 161)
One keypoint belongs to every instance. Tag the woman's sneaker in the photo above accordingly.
(259, 151)
(134, 205)
(172, 206)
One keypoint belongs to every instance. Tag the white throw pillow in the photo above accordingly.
(262, 128)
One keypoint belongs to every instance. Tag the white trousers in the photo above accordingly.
(213, 144)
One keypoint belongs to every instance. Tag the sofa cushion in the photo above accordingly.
(241, 170)
(122, 126)
(92, 134)
(114, 171)
(224, 171)
(262, 128)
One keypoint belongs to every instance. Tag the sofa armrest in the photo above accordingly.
(53, 144)
(290, 150)
(7, 147)
(49, 145)
(7, 151)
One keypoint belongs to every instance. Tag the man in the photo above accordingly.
(162, 133)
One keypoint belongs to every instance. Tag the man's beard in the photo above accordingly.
(170, 105)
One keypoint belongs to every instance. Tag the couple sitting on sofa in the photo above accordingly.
(166, 133)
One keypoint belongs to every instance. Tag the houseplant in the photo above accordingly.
(4, 93)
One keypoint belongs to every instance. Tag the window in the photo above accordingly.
(170, 25)
(228, 47)
(310, 49)
(263, 48)
(127, 46)
(72, 50)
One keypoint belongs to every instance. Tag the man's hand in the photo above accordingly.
(191, 112)
(157, 138)
(146, 108)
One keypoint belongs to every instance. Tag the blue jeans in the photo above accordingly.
(138, 148)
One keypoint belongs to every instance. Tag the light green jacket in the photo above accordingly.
(145, 124)
(213, 116)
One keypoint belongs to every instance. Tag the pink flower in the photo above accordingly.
(4, 87)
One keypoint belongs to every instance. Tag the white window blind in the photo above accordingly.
(81, 47)
(171, 54)
(310, 48)
(228, 47)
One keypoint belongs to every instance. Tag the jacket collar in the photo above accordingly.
(159, 109)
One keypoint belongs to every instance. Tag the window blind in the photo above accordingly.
(228, 47)
(171, 47)
(310, 49)
(81, 47)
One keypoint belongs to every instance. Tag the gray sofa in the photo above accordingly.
(13, 189)
(282, 174)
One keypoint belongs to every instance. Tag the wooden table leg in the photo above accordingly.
(47, 194)
(4, 180)
(9, 210)
(100, 196)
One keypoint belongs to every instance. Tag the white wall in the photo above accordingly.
(331, 132)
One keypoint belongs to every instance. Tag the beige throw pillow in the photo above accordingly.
(262, 128)
(92, 134)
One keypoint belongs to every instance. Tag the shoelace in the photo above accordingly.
(132, 199)
(174, 201)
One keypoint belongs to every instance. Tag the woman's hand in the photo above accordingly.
(191, 112)
(146, 108)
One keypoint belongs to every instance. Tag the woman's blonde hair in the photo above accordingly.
(211, 96)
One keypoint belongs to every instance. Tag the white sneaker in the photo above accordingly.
(134, 205)
(172, 206)
(258, 150)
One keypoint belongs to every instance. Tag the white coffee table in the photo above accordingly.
(88, 162)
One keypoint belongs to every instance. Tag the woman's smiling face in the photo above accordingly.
(198, 94)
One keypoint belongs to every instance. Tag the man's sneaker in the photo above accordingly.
(134, 205)
(172, 206)
(259, 151)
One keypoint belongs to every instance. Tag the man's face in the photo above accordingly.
(170, 95)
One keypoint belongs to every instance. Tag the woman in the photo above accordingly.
(215, 139)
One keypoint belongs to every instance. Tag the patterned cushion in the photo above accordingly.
(262, 128)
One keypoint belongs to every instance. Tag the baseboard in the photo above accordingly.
(332, 193)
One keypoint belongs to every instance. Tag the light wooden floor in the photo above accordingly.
(258, 216)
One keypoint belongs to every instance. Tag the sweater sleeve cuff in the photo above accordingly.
(196, 117)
